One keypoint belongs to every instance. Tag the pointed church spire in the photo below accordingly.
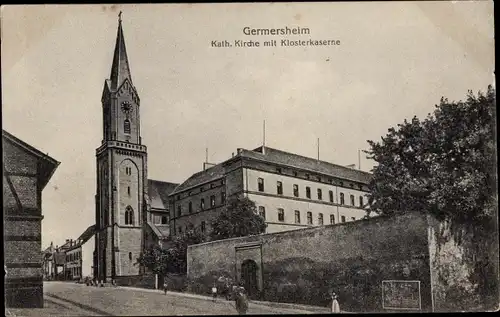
(120, 69)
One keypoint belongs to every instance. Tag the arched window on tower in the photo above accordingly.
(129, 216)
(126, 126)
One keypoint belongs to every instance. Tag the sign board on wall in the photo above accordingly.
(401, 295)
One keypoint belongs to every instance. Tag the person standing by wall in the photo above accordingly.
(214, 291)
(241, 301)
(165, 285)
(335, 304)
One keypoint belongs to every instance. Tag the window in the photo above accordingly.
(212, 185)
(320, 194)
(360, 187)
(360, 201)
(309, 218)
(223, 198)
(353, 218)
(281, 214)
(202, 203)
(307, 176)
(352, 185)
(164, 220)
(212, 201)
(130, 256)
(203, 228)
(128, 190)
(126, 126)
(343, 218)
(319, 178)
(320, 219)
(279, 188)
(295, 174)
(190, 207)
(308, 192)
(156, 219)
(332, 219)
(261, 184)
(129, 216)
(179, 211)
(296, 190)
(352, 200)
(278, 170)
(342, 198)
(262, 212)
(180, 230)
(297, 216)
(331, 196)
(341, 183)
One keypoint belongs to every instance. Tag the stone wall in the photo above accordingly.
(464, 275)
(304, 265)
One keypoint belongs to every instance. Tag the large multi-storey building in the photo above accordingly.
(289, 190)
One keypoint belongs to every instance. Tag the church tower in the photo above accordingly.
(121, 175)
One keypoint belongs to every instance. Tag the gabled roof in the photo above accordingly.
(208, 175)
(281, 158)
(87, 234)
(48, 164)
(158, 193)
(302, 162)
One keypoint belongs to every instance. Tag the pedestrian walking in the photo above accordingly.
(165, 285)
(214, 292)
(241, 301)
(335, 304)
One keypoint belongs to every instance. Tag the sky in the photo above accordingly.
(395, 60)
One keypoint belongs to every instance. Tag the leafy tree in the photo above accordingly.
(445, 165)
(173, 257)
(239, 219)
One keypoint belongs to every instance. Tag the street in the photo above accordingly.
(71, 299)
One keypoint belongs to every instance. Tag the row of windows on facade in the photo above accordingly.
(73, 256)
(281, 216)
(212, 185)
(202, 204)
(203, 228)
(76, 271)
(279, 190)
(319, 178)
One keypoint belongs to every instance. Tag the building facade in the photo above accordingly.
(26, 173)
(289, 190)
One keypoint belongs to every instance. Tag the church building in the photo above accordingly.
(131, 210)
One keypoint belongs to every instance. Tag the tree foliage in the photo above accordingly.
(444, 165)
(173, 257)
(239, 219)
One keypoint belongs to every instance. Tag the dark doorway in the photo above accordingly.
(249, 278)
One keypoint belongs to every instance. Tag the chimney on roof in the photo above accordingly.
(67, 240)
(351, 166)
(232, 155)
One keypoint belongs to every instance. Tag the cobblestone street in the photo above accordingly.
(71, 299)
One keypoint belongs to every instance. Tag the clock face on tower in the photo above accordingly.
(126, 107)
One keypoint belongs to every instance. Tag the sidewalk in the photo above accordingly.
(305, 308)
